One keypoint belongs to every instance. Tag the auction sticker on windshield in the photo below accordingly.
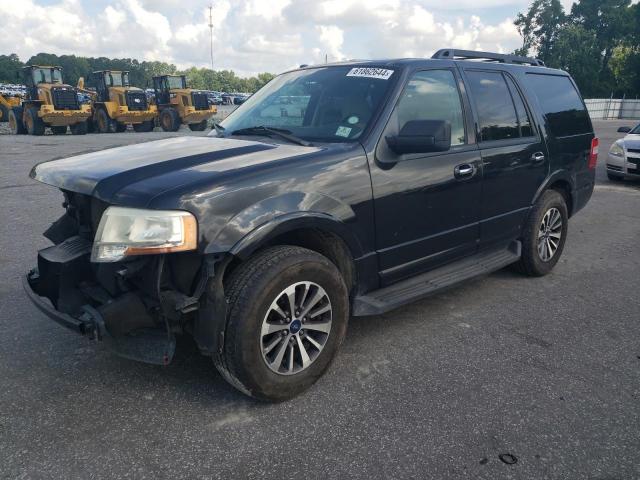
(380, 73)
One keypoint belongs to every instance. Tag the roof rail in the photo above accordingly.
(451, 54)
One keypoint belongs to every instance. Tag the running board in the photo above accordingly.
(415, 288)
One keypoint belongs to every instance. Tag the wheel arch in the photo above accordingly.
(314, 231)
(562, 182)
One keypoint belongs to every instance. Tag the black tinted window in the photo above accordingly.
(561, 104)
(433, 95)
(526, 129)
(496, 113)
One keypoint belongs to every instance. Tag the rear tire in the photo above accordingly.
(144, 126)
(264, 359)
(4, 114)
(169, 120)
(198, 127)
(15, 121)
(80, 128)
(34, 124)
(59, 130)
(544, 235)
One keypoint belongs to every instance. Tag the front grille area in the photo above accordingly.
(633, 150)
(136, 101)
(65, 99)
(200, 101)
(614, 168)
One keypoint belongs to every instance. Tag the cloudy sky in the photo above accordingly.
(256, 35)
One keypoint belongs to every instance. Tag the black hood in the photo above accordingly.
(154, 167)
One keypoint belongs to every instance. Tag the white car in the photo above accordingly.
(624, 155)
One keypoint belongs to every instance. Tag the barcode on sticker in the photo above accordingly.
(381, 73)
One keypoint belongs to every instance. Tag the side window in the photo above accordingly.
(433, 95)
(561, 104)
(526, 130)
(496, 113)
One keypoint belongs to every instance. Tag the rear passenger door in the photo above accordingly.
(514, 157)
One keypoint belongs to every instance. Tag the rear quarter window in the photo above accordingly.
(561, 104)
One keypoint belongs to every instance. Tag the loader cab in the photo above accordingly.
(106, 79)
(34, 75)
(164, 84)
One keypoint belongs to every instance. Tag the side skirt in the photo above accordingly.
(412, 289)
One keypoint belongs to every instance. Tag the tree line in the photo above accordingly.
(140, 75)
(597, 42)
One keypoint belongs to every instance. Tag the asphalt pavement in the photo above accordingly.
(541, 372)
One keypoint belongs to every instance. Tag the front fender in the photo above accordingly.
(273, 216)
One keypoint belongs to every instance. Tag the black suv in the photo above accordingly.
(335, 190)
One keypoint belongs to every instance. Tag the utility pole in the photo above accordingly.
(211, 32)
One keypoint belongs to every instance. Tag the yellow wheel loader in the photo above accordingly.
(179, 105)
(117, 104)
(6, 105)
(48, 103)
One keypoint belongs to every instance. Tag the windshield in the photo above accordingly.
(175, 82)
(329, 104)
(47, 75)
(635, 131)
(118, 79)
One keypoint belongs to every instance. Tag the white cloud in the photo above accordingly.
(253, 36)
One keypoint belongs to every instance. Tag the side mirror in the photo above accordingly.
(624, 129)
(421, 136)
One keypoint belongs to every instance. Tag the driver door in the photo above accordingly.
(427, 205)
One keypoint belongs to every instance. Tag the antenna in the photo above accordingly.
(211, 32)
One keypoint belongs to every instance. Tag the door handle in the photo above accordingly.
(465, 170)
(537, 157)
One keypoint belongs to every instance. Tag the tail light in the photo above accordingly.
(593, 154)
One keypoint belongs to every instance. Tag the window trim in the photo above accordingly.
(470, 142)
(507, 142)
(534, 128)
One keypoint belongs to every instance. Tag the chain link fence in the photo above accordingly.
(613, 108)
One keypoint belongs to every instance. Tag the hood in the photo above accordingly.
(632, 141)
(148, 169)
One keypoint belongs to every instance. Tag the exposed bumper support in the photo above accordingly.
(150, 345)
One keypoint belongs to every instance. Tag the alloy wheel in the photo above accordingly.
(549, 234)
(296, 328)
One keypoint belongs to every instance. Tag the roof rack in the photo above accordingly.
(451, 54)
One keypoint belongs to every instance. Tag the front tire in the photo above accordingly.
(544, 235)
(266, 355)
(169, 120)
(103, 123)
(35, 125)
(16, 125)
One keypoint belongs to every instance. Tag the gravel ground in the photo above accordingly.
(546, 370)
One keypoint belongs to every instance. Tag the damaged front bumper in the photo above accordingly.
(134, 324)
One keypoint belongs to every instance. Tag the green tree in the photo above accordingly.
(540, 27)
(10, 66)
(578, 61)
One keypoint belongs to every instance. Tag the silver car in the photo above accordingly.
(623, 160)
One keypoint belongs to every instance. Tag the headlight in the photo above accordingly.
(131, 231)
(617, 150)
